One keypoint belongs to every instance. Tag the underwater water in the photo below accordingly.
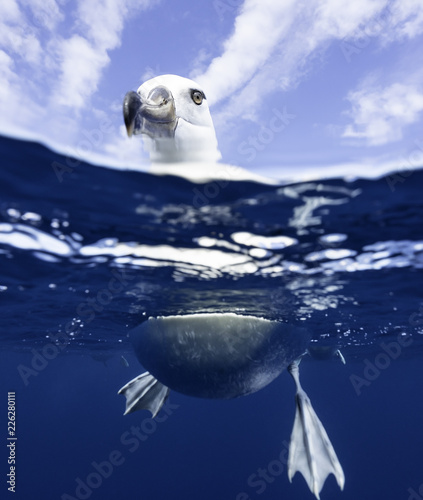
(88, 253)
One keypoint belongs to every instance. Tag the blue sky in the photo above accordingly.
(327, 85)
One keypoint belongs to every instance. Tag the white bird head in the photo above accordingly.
(173, 115)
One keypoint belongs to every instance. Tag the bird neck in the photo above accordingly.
(190, 143)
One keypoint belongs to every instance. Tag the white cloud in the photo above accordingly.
(102, 21)
(16, 37)
(45, 13)
(9, 11)
(7, 77)
(125, 152)
(48, 77)
(406, 19)
(258, 28)
(273, 45)
(272, 41)
(149, 73)
(18, 111)
(80, 71)
(380, 114)
(341, 19)
(85, 55)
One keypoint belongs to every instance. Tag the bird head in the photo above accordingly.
(172, 114)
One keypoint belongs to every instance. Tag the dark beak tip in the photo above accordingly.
(131, 106)
(129, 129)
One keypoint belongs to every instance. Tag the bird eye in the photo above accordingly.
(197, 96)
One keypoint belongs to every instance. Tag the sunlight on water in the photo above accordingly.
(320, 253)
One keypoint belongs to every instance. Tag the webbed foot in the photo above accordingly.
(144, 393)
(310, 452)
(340, 356)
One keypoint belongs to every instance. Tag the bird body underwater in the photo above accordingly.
(214, 355)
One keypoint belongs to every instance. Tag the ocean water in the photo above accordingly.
(87, 253)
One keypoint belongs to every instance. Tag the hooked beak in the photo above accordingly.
(155, 117)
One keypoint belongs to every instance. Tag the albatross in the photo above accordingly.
(215, 355)
(172, 115)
